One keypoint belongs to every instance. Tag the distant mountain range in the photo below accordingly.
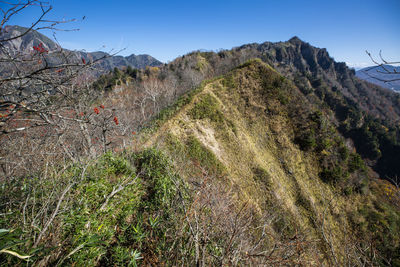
(378, 76)
(34, 38)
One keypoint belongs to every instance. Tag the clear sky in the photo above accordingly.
(167, 29)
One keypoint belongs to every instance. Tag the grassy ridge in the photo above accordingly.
(279, 150)
(243, 170)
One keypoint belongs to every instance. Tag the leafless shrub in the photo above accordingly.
(224, 231)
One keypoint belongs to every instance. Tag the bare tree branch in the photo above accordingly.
(382, 65)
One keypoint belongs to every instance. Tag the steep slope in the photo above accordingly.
(366, 114)
(298, 58)
(242, 131)
(245, 170)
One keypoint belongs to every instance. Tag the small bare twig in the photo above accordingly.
(116, 189)
(379, 66)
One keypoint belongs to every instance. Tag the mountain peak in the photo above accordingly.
(295, 40)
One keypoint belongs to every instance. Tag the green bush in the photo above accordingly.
(306, 140)
(229, 82)
(205, 157)
(158, 175)
(380, 223)
(207, 107)
(333, 175)
(355, 163)
(136, 219)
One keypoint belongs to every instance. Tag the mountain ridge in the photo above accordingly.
(366, 114)
(242, 129)
(34, 38)
(265, 154)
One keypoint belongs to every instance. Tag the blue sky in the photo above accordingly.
(167, 29)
